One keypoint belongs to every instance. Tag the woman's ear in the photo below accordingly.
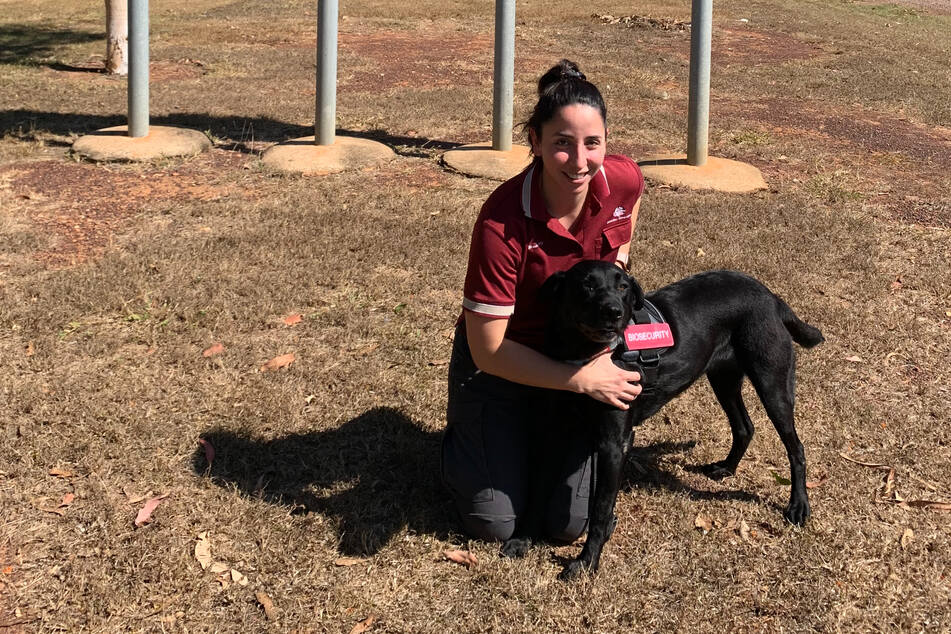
(534, 140)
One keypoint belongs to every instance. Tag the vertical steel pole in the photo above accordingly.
(504, 75)
(698, 112)
(138, 11)
(325, 127)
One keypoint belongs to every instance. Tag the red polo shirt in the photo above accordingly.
(516, 244)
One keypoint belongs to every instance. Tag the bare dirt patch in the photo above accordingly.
(81, 206)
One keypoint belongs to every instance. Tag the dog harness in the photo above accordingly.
(646, 338)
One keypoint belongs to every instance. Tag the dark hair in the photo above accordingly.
(563, 85)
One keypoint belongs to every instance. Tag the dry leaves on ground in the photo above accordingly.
(363, 625)
(145, 513)
(216, 348)
(294, 319)
(464, 557)
(279, 362)
(270, 611)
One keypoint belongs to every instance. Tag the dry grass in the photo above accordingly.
(114, 279)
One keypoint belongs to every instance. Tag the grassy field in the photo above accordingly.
(321, 508)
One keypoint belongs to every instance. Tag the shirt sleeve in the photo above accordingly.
(494, 262)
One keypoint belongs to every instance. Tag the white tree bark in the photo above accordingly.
(117, 37)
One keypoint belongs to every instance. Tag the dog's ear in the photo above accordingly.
(635, 293)
(551, 288)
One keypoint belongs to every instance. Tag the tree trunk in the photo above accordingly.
(117, 37)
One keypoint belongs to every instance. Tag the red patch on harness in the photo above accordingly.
(648, 336)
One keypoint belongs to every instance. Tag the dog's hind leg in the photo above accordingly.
(775, 382)
(727, 384)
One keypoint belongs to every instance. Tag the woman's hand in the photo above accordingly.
(602, 380)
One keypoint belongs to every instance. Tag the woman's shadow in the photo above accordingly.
(374, 475)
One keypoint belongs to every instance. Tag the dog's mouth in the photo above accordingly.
(599, 334)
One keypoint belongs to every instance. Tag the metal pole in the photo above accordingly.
(326, 72)
(138, 68)
(504, 77)
(698, 112)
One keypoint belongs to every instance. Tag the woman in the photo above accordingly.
(572, 203)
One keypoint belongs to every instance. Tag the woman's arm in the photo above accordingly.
(510, 360)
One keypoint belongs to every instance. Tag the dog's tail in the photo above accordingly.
(802, 333)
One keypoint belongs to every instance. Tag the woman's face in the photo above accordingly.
(572, 148)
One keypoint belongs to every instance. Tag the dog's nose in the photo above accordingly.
(613, 313)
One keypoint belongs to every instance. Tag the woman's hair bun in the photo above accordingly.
(564, 69)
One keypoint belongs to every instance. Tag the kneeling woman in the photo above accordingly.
(572, 203)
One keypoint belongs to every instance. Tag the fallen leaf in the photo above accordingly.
(906, 538)
(203, 550)
(219, 568)
(209, 450)
(780, 479)
(269, 610)
(278, 362)
(30, 350)
(291, 320)
(700, 253)
(897, 284)
(889, 482)
(61, 473)
(812, 484)
(8, 570)
(873, 465)
(349, 561)
(67, 500)
(214, 349)
(703, 523)
(854, 359)
(744, 530)
(464, 557)
(238, 578)
(146, 511)
(363, 625)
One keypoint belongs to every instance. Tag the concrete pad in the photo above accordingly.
(481, 160)
(304, 156)
(115, 144)
(718, 174)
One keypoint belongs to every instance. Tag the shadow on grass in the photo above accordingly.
(20, 43)
(644, 469)
(373, 475)
(233, 133)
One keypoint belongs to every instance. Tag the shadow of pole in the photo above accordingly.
(235, 131)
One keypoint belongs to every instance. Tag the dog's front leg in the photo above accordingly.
(614, 438)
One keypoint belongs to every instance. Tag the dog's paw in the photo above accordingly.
(797, 512)
(717, 470)
(574, 569)
(516, 547)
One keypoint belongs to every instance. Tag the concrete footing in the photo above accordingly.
(115, 144)
(482, 160)
(304, 156)
(718, 174)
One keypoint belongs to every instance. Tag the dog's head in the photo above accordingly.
(594, 298)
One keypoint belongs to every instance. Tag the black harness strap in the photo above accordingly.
(647, 361)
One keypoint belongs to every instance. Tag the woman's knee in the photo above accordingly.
(490, 528)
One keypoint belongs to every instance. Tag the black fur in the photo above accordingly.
(725, 324)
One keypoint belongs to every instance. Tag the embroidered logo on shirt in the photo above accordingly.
(620, 213)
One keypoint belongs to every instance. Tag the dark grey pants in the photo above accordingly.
(492, 427)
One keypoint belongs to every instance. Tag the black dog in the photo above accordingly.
(724, 324)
